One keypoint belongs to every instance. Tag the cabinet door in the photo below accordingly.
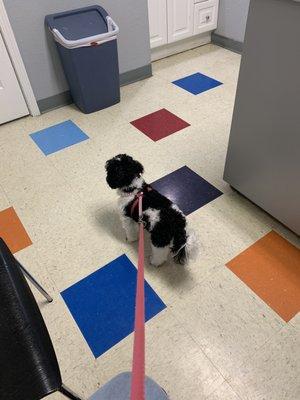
(12, 103)
(157, 22)
(180, 19)
(206, 16)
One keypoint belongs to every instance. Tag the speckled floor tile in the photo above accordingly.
(205, 59)
(79, 165)
(214, 105)
(30, 261)
(70, 347)
(171, 281)
(243, 216)
(295, 322)
(222, 235)
(227, 330)
(142, 98)
(224, 392)
(86, 163)
(272, 372)
(4, 202)
(173, 360)
(19, 154)
(83, 246)
(45, 207)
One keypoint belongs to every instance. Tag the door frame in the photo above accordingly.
(17, 62)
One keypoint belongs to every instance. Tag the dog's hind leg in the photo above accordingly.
(159, 255)
(131, 228)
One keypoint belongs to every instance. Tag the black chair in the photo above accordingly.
(28, 366)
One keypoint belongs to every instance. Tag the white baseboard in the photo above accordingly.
(177, 47)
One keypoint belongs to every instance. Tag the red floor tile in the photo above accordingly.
(12, 231)
(159, 124)
(271, 268)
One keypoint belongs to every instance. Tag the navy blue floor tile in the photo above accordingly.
(197, 83)
(103, 304)
(186, 189)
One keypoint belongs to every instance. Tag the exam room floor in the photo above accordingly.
(216, 331)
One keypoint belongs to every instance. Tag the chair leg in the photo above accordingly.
(35, 283)
(69, 393)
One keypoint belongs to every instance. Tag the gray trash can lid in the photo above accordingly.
(79, 23)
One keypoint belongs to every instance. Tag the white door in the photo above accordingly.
(180, 19)
(206, 16)
(158, 22)
(12, 103)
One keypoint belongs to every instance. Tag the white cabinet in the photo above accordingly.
(174, 20)
(157, 10)
(205, 16)
(180, 19)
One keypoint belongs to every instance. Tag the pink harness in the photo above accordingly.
(136, 200)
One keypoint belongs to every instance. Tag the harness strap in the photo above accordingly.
(134, 205)
(136, 200)
(138, 363)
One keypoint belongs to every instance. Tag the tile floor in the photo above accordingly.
(159, 124)
(104, 302)
(197, 83)
(186, 189)
(219, 336)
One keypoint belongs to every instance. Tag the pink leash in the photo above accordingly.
(138, 364)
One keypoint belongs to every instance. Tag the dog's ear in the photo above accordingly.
(109, 163)
(133, 167)
(139, 169)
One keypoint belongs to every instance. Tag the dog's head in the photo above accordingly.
(122, 170)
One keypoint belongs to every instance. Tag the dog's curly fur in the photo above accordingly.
(162, 218)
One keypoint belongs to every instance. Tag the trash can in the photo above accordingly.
(86, 39)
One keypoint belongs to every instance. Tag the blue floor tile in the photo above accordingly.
(58, 137)
(186, 189)
(103, 303)
(197, 83)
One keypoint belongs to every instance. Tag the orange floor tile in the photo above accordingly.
(12, 230)
(271, 268)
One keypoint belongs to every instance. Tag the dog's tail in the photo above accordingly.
(185, 246)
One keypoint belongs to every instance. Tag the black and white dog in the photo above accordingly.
(162, 218)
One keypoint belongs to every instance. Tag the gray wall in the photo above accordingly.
(39, 53)
(232, 19)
